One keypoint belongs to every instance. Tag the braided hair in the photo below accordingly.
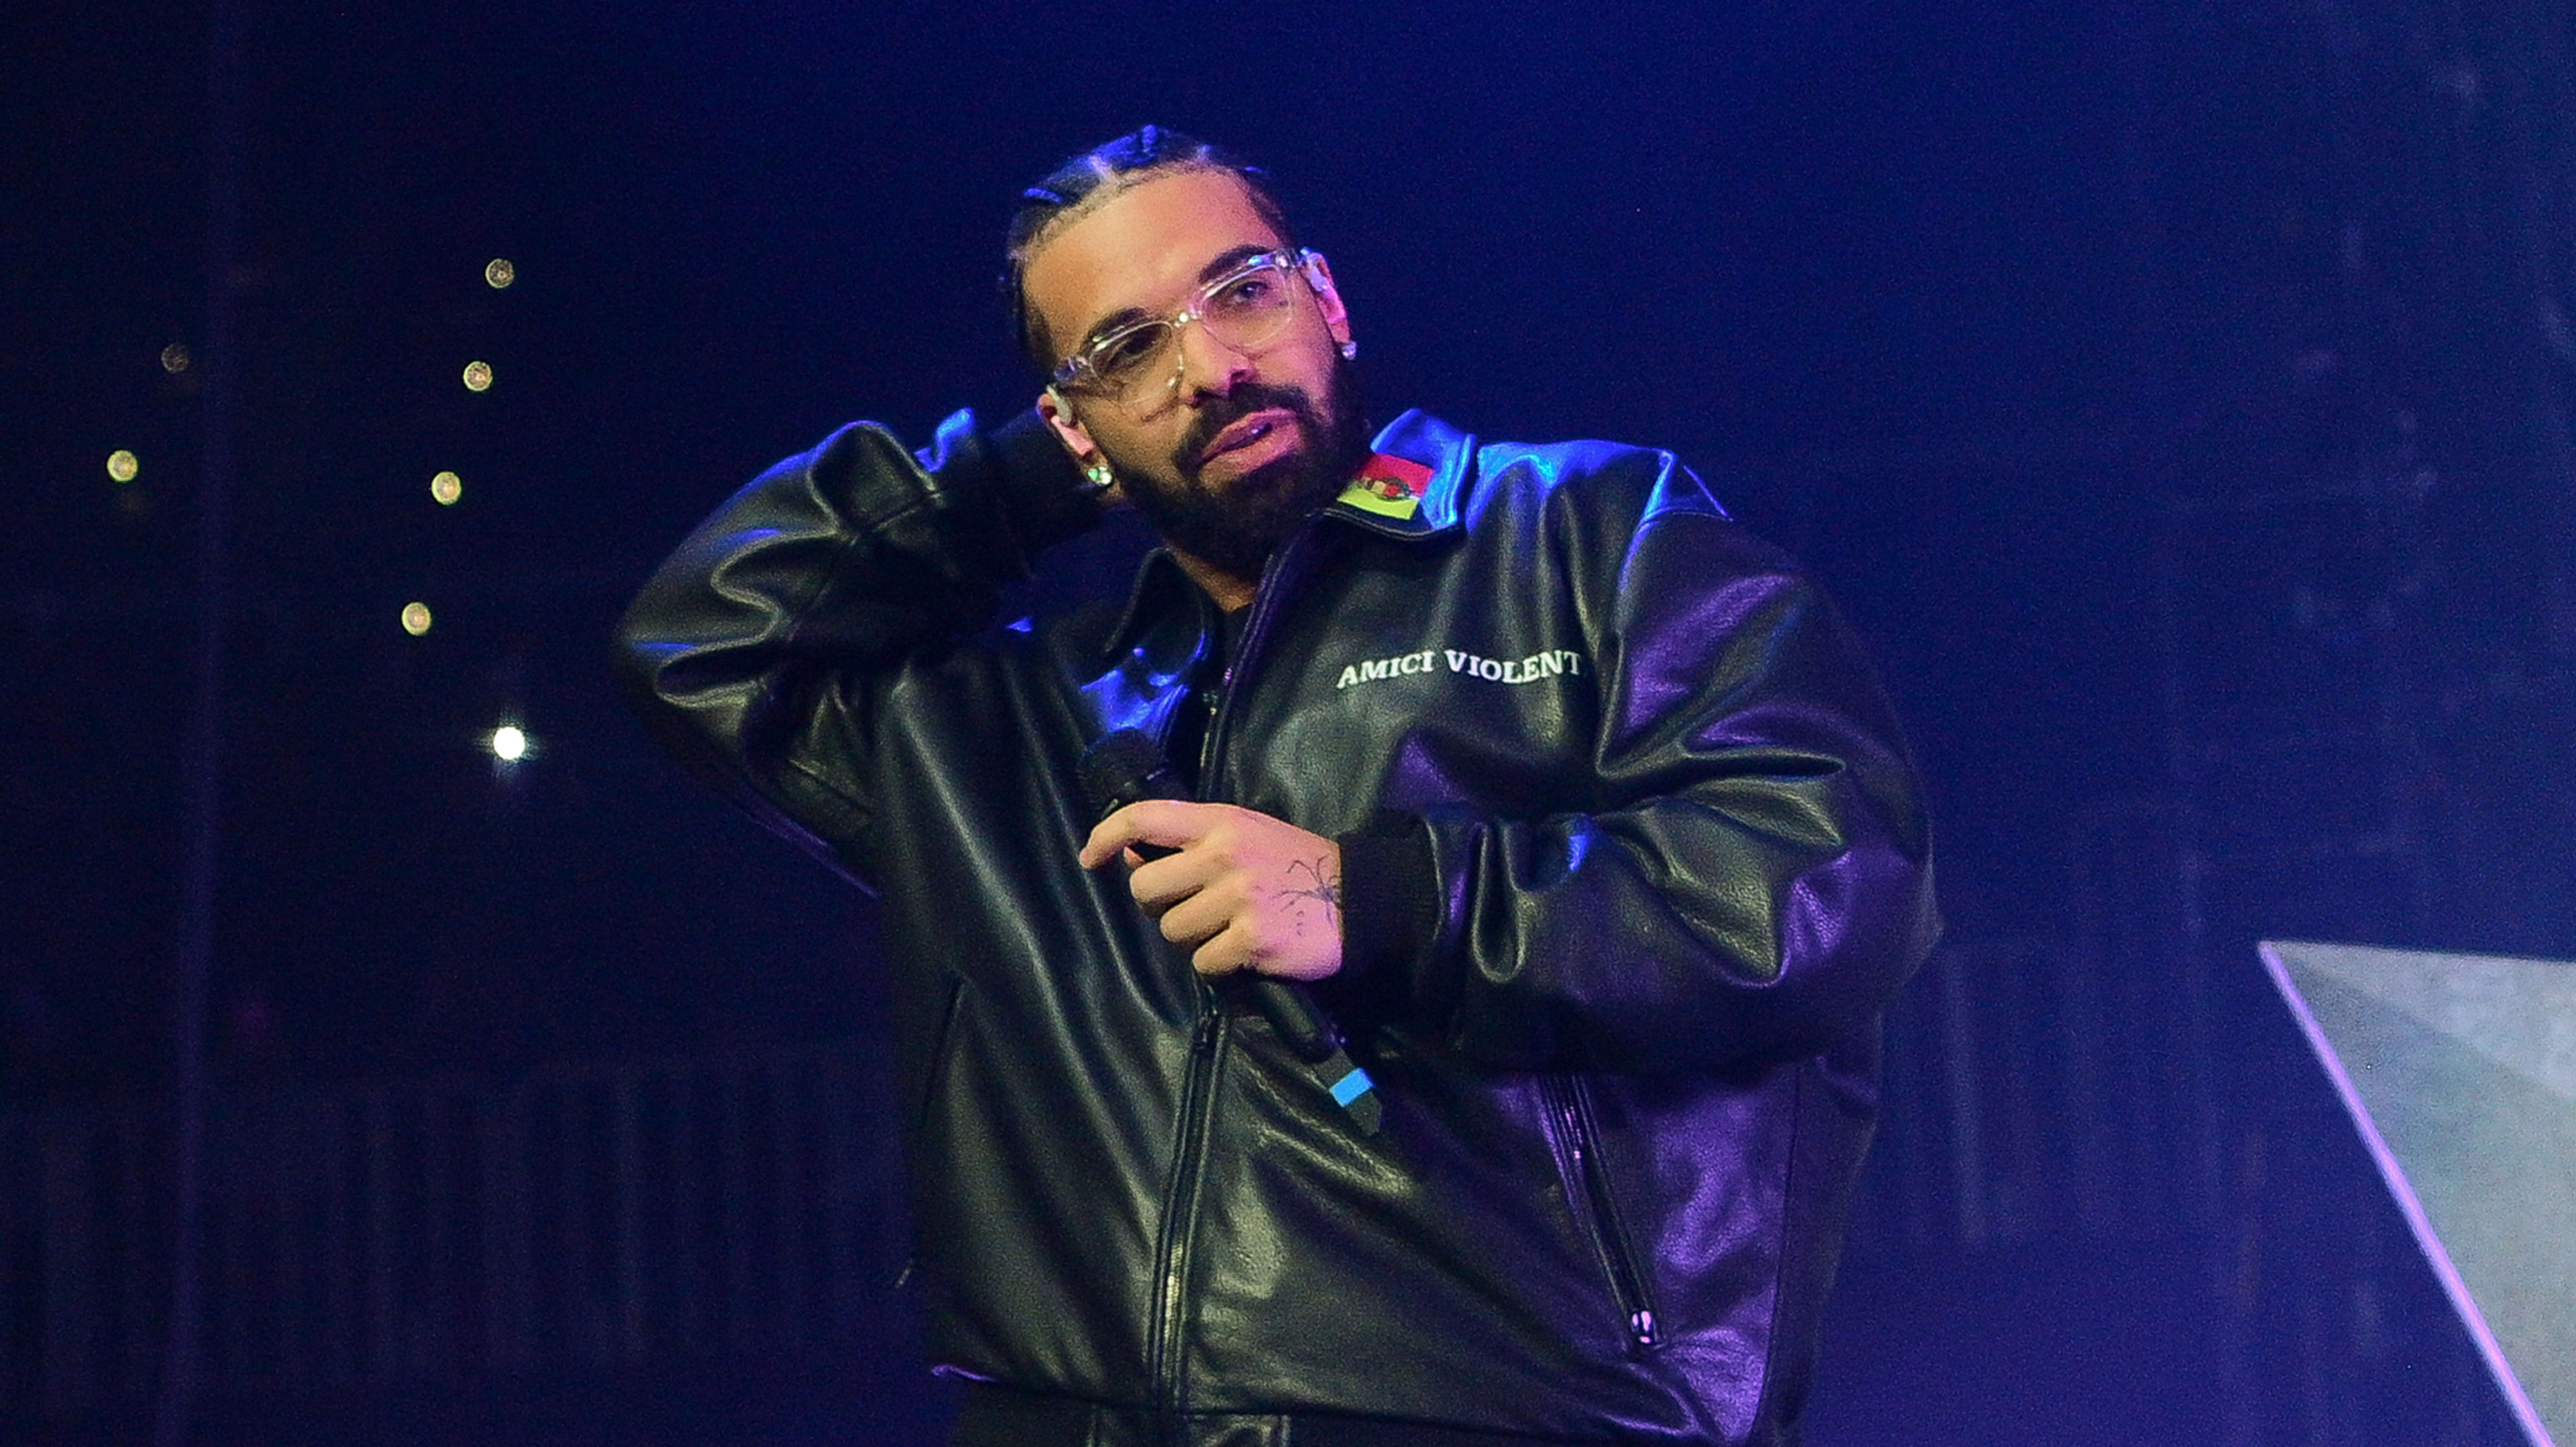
(1072, 189)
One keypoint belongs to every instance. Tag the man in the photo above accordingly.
(1570, 805)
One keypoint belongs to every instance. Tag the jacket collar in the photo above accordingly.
(1432, 462)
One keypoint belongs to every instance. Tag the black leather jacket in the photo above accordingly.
(1633, 858)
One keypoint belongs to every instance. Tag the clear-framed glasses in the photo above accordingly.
(1139, 364)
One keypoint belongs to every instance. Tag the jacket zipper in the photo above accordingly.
(1198, 1098)
(1274, 585)
(1180, 1204)
(1570, 1111)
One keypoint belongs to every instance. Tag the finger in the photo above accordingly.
(1198, 918)
(1230, 951)
(1160, 883)
(1165, 823)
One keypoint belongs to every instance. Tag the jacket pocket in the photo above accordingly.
(935, 1064)
(1596, 1209)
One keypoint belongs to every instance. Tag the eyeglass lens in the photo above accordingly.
(1240, 311)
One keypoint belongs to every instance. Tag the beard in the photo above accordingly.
(1235, 529)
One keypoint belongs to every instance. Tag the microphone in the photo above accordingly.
(1126, 767)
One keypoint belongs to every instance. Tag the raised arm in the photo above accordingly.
(745, 648)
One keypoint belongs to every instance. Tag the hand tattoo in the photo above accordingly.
(1325, 890)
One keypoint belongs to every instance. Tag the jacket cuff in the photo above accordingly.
(1390, 901)
(1042, 492)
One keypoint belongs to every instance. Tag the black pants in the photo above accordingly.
(995, 1416)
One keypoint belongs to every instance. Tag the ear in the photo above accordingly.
(1067, 427)
(1328, 301)
(1076, 439)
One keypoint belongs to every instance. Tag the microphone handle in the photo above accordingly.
(1295, 1015)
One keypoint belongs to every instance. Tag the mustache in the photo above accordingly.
(1243, 401)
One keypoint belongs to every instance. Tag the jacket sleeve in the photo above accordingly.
(749, 650)
(1752, 880)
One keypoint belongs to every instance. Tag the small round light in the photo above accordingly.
(499, 272)
(447, 487)
(122, 465)
(415, 618)
(175, 358)
(509, 743)
(478, 376)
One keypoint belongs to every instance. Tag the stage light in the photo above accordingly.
(415, 618)
(447, 487)
(478, 376)
(122, 465)
(499, 272)
(509, 743)
(175, 359)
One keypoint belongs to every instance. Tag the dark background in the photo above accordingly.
(2175, 394)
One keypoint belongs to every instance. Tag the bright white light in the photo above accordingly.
(508, 743)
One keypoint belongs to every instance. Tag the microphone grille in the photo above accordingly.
(1115, 769)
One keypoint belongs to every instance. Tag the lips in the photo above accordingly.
(1244, 431)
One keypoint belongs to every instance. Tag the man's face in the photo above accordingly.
(1249, 442)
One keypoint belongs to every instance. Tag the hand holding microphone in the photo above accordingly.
(1240, 889)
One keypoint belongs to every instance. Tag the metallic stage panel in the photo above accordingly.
(2460, 1072)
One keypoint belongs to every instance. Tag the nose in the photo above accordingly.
(1209, 368)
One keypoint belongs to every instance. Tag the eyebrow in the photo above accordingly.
(1228, 260)
(1223, 262)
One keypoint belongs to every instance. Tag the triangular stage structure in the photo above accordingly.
(2460, 1072)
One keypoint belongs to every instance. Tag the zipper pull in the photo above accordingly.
(1210, 1020)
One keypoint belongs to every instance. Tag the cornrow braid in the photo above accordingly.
(1085, 181)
